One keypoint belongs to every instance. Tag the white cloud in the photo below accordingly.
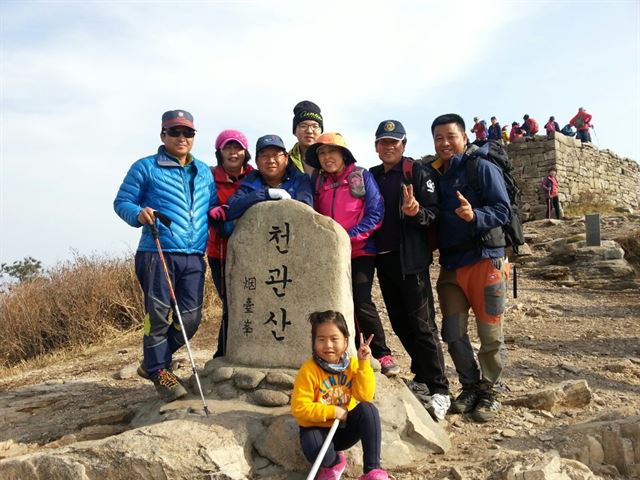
(83, 88)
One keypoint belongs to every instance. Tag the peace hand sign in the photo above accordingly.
(410, 205)
(364, 351)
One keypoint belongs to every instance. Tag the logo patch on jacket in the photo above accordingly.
(431, 187)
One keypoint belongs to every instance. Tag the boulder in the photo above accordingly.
(571, 394)
(145, 453)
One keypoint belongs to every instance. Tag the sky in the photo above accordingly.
(83, 86)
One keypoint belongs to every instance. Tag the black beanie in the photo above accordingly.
(306, 110)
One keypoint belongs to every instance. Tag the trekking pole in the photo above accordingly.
(594, 132)
(549, 208)
(323, 450)
(156, 237)
(223, 292)
(515, 281)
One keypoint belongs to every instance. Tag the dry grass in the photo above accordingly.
(590, 201)
(78, 303)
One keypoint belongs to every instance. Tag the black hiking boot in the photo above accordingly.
(466, 401)
(487, 407)
(142, 372)
(168, 386)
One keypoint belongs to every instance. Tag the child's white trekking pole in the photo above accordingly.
(323, 450)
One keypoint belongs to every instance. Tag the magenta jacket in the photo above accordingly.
(550, 185)
(360, 217)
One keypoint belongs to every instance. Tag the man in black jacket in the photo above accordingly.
(402, 263)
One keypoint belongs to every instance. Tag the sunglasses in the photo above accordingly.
(176, 132)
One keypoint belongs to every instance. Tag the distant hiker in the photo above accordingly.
(505, 135)
(516, 132)
(276, 179)
(402, 264)
(473, 271)
(479, 128)
(550, 187)
(495, 132)
(529, 126)
(181, 187)
(582, 122)
(552, 126)
(567, 131)
(307, 126)
(332, 385)
(350, 195)
(232, 155)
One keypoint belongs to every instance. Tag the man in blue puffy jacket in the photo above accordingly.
(181, 187)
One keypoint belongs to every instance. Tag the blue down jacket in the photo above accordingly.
(184, 194)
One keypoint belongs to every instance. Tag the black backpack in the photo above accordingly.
(511, 234)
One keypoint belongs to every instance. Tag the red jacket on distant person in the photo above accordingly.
(226, 186)
(552, 126)
(480, 130)
(516, 132)
(550, 185)
(586, 120)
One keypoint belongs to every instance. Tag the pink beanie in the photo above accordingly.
(227, 136)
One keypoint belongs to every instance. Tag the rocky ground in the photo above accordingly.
(556, 331)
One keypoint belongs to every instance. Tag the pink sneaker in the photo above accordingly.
(375, 474)
(388, 366)
(335, 472)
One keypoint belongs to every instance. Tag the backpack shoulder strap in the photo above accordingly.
(407, 170)
(317, 180)
(472, 174)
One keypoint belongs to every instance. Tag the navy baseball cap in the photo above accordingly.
(390, 129)
(175, 118)
(269, 141)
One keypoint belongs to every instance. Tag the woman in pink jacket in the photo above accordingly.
(350, 196)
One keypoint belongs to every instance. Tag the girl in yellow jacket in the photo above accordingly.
(332, 385)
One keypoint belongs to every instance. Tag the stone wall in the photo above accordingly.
(585, 174)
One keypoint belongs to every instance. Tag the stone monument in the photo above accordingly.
(284, 262)
(592, 224)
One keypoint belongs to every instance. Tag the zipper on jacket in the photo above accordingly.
(401, 213)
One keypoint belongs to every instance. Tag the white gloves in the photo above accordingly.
(278, 194)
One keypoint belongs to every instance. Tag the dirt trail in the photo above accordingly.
(553, 334)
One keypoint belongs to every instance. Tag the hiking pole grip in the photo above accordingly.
(323, 450)
(154, 231)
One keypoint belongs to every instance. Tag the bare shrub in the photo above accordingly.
(77, 303)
